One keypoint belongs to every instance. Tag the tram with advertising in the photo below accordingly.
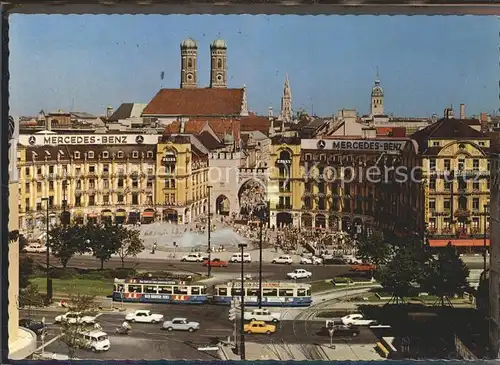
(159, 291)
(274, 293)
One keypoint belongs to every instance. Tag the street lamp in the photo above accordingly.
(49, 281)
(485, 248)
(209, 265)
(242, 304)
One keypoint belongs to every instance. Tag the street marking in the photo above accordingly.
(218, 329)
(48, 343)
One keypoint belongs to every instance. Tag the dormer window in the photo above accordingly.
(105, 154)
(120, 154)
(435, 144)
(150, 154)
(77, 154)
(91, 154)
(135, 154)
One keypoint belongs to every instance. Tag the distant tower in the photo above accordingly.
(218, 69)
(286, 102)
(189, 54)
(377, 104)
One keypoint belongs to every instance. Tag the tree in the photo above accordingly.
(103, 239)
(71, 333)
(131, 243)
(26, 270)
(402, 273)
(65, 242)
(374, 249)
(446, 275)
(30, 297)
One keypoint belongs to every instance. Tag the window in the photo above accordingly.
(475, 203)
(27, 203)
(92, 169)
(105, 199)
(135, 184)
(39, 206)
(120, 198)
(51, 169)
(164, 290)
(38, 187)
(105, 184)
(269, 292)
(447, 185)
(150, 289)
(120, 183)
(180, 290)
(447, 165)
(77, 155)
(475, 185)
(432, 184)
(150, 154)
(27, 187)
(195, 290)
(78, 201)
(105, 154)
(190, 62)
(51, 185)
(91, 184)
(432, 205)
(90, 154)
(91, 199)
(120, 154)
(135, 199)
(105, 168)
(27, 171)
(432, 164)
(38, 170)
(435, 144)
(475, 164)
(447, 204)
(135, 154)
(78, 171)
(301, 292)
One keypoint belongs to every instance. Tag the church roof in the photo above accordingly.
(255, 123)
(196, 102)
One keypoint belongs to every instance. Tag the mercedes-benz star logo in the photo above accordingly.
(321, 144)
(139, 139)
(32, 140)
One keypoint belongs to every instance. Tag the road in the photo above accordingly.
(149, 342)
(270, 271)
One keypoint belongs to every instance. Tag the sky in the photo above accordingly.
(425, 63)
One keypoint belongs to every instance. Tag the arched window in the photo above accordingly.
(190, 62)
(285, 155)
(219, 63)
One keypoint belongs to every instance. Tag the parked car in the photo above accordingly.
(363, 267)
(352, 260)
(263, 315)
(215, 263)
(192, 257)
(247, 258)
(36, 326)
(340, 330)
(335, 261)
(283, 259)
(259, 327)
(144, 316)
(74, 318)
(313, 260)
(180, 324)
(299, 274)
(357, 319)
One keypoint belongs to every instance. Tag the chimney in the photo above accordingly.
(48, 124)
(462, 111)
(109, 111)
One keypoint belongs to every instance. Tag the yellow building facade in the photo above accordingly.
(456, 181)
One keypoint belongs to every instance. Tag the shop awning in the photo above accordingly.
(92, 215)
(459, 242)
(134, 214)
(121, 213)
(148, 214)
(106, 213)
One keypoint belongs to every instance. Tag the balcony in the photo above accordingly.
(462, 213)
(284, 206)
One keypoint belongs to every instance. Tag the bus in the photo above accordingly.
(159, 291)
(274, 293)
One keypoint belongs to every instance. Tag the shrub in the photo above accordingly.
(342, 280)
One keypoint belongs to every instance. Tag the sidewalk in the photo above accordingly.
(350, 352)
(259, 351)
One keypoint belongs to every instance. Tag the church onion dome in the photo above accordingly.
(189, 43)
(219, 43)
(377, 90)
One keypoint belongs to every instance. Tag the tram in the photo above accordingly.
(274, 293)
(159, 291)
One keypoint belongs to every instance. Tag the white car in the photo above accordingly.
(74, 318)
(262, 315)
(247, 258)
(180, 324)
(299, 274)
(283, 259)
(97, 341)
(357, 320)
(313, 260)
(352, 260)
(144, 316)
(192, 257)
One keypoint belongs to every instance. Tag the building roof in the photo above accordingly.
(255, 123)
(83, 115)
(127, 110)
(190, 127)
(209, 141)
(454, 129)
(196, 102)
(391, 131)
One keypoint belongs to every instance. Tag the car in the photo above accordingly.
(35, 326)
(180, 324)
(357, 319)
(299, 274)
(74, 318)
(97, 341)
(340, 330)
(247, 258)
(143, 316)
(313, 260)
(259, 327)
(283, 259)
(335, 261)
(352, 260)
(263, 315)
(192, 257)
(215, 263)
(363, 267)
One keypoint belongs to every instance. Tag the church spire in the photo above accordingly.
(286, 102)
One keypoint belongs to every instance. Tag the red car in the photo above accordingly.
(363, 267)
(215, 263)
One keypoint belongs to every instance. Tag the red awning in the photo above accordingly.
(148, 214)
(459, 242)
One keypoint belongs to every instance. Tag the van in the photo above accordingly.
(237, 258)
(95, 340)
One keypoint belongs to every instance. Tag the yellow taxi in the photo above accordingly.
(260, 327)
